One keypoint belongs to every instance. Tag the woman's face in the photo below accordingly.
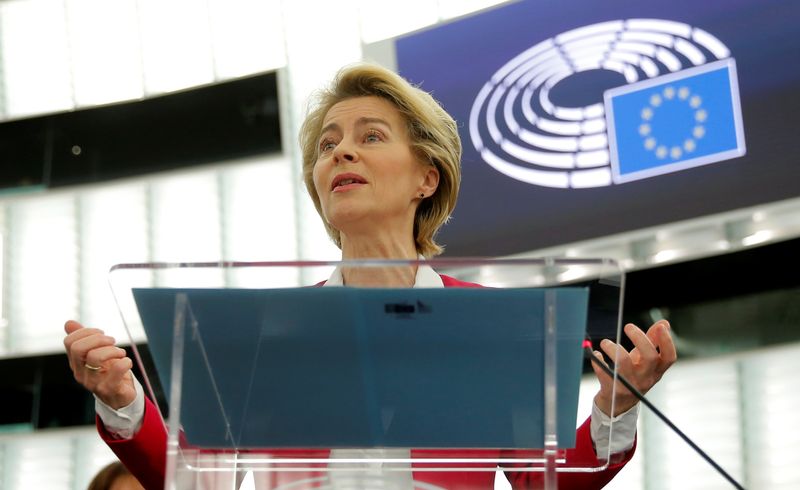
(367, 176)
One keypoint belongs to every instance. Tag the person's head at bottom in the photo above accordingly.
(381, 161)
(114, 477)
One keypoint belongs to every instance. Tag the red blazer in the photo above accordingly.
(145, 456)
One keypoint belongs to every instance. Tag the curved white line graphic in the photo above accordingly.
(519, 131)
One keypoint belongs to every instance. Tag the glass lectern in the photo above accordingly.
(276, 380)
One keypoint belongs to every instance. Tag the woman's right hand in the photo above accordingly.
(99, 365)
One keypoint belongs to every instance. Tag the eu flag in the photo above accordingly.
(674, 122)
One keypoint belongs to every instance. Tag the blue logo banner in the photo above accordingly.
(670, 123)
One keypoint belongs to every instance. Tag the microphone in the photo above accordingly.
(588, 352)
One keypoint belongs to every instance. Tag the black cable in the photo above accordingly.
(587, 350)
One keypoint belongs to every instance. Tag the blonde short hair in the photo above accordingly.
(432, 132)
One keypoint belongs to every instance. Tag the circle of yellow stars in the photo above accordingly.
(669, 93)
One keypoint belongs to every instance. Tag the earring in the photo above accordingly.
(422, 195)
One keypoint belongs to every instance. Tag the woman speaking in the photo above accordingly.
(381, 161)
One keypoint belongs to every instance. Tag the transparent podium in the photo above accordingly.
(277, 379)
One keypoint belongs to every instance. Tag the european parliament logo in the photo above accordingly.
(679, 106)
(674, 122)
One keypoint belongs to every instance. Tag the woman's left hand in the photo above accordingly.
(653, 353)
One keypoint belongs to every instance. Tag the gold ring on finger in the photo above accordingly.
(91, 368)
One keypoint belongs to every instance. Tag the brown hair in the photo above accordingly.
(433, 134)
(106, 477)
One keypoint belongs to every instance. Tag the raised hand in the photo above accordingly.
(653, 353)
(99, 365)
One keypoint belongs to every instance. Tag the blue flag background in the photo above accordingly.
(674, 122)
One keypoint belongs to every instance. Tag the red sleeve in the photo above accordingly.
(145, 455)
(581, 455)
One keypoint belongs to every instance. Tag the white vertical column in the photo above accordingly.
(4, 343)
(113, 229)
(246, 36)
(39, 462)
(703, 399)
(42, 271)
(258, 221)
(185, 226)
(91, 455)
(176, 45)
(35, 58)
(105, 51)
(770, 400)
(319, 41)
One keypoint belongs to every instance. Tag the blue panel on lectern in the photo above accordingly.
(674, 122)
(350, 367)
